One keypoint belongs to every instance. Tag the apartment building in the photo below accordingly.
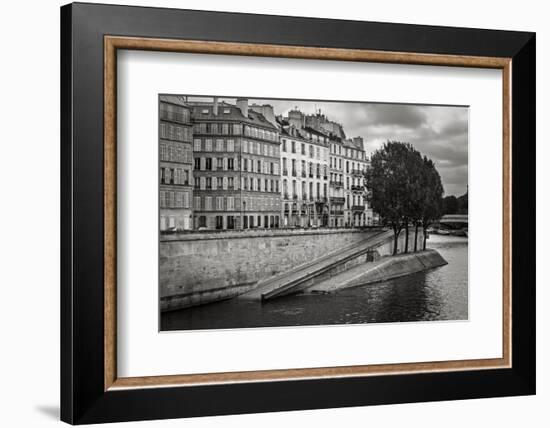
(175, 164)
(236, 167)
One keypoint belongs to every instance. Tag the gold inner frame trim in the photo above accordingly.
(113, 43)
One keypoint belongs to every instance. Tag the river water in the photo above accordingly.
(436, 294)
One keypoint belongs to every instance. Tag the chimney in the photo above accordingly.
(215, 106)
(242, 104)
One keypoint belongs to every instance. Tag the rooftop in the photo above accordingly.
(228, 111)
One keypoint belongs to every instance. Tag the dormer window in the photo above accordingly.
(226, 111)
(204, 111)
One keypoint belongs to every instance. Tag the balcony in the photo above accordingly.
(285, 196)
(304, 196)
(336, 184)
(321, 200)
(357, 172)
(357, 188)
(358, 208)
(336, 200)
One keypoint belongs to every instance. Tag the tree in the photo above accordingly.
(404, 188)
(391, 177)
(432, 200)
(450, 205)
(415, 194)
(463, 204)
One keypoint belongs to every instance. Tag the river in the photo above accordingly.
(436, 294)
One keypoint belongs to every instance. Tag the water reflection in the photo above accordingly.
(437, 294)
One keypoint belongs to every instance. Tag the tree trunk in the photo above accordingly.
(406, 237)
(395, 236)
(415, 236)
(424, 238)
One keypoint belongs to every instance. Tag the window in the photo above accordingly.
(284, 145)
(230, 165)
(219, 163)
(219, 203)
(208, 203)
(179, 200)
(197, 145)
(259, 188)
(230, 222)
(225, 128)
(230, 146)
(293, 146)
(197, 163)
(219, 145)
(202, 221)
(230, 183)
(311, 151)
(219, 222)
(226, 111)
(204, 111)
(170, 199)
(219, 182)
(208, 164)
(259, 168)
(185, 199)
(230, 203)
(208, 182)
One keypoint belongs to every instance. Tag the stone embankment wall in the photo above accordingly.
(202, 267)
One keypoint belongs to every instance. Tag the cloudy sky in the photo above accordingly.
(439, 132)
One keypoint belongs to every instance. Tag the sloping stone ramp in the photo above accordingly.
(381, 270)
(307, 275)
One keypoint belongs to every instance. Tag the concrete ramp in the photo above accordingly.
(389, 267)
(317, 270)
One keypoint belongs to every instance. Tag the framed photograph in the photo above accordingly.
(267, 213)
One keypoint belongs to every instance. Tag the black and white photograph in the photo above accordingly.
(278, 212)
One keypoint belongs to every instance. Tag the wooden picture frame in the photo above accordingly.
(91, 390)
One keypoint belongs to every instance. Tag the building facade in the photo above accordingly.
(176, 164)
(348, 163)
(236, 167)
(304, 163)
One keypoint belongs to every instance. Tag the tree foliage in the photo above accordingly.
(405, 188)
